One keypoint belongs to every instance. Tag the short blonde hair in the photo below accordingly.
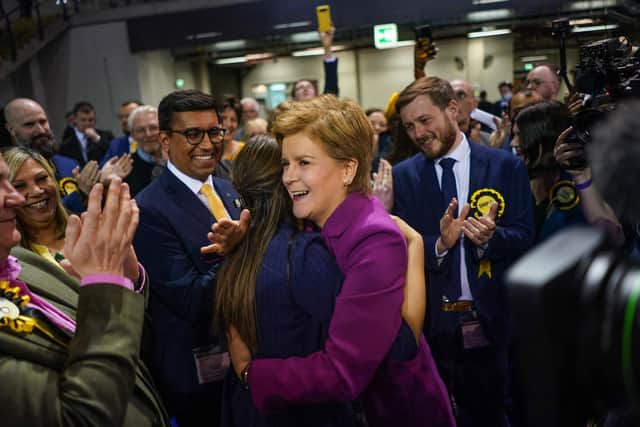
(339, 125)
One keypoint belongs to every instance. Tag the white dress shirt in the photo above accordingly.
(194, 184)
(461, 172)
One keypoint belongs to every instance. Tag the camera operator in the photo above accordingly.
(616, 155)
(562, 190)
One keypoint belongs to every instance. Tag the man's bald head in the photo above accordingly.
(544, 80)
(28, 124)
(466, 102)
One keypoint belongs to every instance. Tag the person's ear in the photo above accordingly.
(164, 141)
(350, 171)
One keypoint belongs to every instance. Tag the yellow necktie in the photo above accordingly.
(215, 204)
(133, 146)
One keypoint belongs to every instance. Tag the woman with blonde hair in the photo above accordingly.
(370, 353)
(42, 219)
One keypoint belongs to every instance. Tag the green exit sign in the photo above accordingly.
(385, 35)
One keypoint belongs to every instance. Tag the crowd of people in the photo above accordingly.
(326, 266)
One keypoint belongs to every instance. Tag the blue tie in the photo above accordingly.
(449, 191)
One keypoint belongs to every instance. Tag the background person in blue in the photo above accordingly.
(177, 210)
(472, 204)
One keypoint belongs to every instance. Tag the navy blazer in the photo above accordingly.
(418, 200)
(173, 226)
(73, 201)
(117, 147)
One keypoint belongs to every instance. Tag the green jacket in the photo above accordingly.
(97, 381)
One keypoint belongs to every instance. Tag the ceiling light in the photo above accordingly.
(291, 25)
(230, 45)
(259, 56)
(234, 60)
(489, 33)
(594, 28)
(477, 2)
(203, 35)
(589, 5)
(315, 51)
(489, 15)
(535, 58)
(583, 21)
(305, 37)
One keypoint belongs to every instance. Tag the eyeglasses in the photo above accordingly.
(195, 136)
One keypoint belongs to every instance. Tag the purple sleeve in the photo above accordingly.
(111, 279)
(364, 325)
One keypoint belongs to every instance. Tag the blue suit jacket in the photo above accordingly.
(173, 226)
(117, 147)
(418, 200)
(72, 200)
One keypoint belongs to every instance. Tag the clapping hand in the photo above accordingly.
(450, 227)
(480, 230)
(100, 242)
(88, 177)
(383, 184)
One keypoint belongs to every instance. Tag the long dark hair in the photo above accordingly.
(257, 176)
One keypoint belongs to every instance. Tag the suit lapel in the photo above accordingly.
(189, 204)
(478, 170)
(434, 199)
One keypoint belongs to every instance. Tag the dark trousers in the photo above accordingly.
(200, 409)
(475, 378)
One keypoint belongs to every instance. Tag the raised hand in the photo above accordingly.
(116, 167)
(383, 184)
(450, 227)
(100, 243)
(88, 177)
(226, 234)
(480, 230)
(503, 128)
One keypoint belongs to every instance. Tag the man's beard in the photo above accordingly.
(446, 139)
(41, 143)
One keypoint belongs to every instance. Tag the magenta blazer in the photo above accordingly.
(372, 254)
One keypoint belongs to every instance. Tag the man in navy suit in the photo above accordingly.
(176, 214)
(123, 144)
(472, 205)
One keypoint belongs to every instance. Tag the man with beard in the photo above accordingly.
(29, 126)
(472, 205)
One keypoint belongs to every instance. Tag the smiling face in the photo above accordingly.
(229, 122)
(316, 182)
(10, 200)
(146, 131)
(378, 121)
(39, 190)
(433, 131)
(197, 161)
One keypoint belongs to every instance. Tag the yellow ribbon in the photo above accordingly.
(485, 268)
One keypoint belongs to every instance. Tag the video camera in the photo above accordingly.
(607, 72)
(576, 312)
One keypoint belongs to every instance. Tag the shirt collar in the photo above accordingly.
(81, 136)
(460, 153)
(194, 184)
